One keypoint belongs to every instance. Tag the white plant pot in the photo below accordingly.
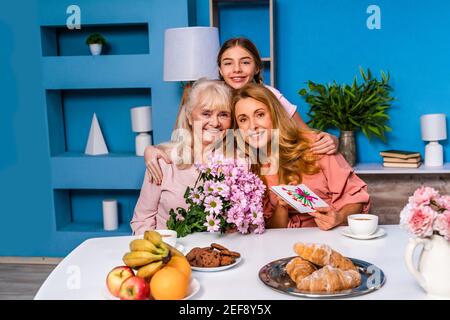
(96, 49)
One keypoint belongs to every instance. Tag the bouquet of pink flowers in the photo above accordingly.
(427, 213)
(229, 197)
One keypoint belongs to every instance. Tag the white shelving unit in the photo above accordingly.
(377, 168)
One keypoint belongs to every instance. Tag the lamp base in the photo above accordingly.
(434, 154)
(142, 140)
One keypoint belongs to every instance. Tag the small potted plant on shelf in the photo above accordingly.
(349, 108)
(95, 42)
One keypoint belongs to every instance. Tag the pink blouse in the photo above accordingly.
(155, 201)
(289, 107)
(336, 183)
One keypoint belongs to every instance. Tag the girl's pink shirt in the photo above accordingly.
(289, 107)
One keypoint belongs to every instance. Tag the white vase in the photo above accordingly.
(433, 272)
(96, 49)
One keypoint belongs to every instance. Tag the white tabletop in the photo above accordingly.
(82, 274)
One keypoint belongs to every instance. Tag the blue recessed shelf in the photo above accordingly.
(80, 210)
(121, 39)
(89, 72)
(114, 171)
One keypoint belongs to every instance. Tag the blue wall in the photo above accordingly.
(50, 193)
(325, 40)
(315, 39)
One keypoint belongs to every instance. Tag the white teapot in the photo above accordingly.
(433, 272)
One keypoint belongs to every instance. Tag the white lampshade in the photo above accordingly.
(433, 127)
(141, 119)
(191, 53)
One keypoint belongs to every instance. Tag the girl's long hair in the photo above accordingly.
(295, 157)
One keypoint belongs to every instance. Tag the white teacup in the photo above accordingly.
(363, 224)
(168, 236)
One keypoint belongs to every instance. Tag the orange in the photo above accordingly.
(182, 265)
(169, 284)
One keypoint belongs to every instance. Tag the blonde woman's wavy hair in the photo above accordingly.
(212, 95)
(295, 157)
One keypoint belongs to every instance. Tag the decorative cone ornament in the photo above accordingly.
(96, 143)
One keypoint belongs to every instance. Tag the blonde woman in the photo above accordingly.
(257, 112)
(207, 110)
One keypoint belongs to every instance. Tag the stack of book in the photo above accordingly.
(401, 159)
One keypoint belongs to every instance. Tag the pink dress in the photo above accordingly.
(289, 107)
(154, 203)
(336, 183)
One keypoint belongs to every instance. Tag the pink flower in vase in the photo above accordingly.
(443, 202)
(420, 221)
(423, 196)
(442, 224)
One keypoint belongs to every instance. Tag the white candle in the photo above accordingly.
(110, 215)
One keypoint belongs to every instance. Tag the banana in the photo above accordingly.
(144, 245)
(164, 249)
(140, 258)
(172, 250)
(153, 236)
(149, 270)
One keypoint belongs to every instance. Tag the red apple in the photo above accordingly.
(135, 288)
(116, 277)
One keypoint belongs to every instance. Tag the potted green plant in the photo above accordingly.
(95, 42)
(349, 108)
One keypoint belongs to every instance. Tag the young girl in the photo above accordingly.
(239, 63)
(208, 111)
(256, 112)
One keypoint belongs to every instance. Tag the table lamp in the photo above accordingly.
(433, 129)
(190, 54)
(141, 122)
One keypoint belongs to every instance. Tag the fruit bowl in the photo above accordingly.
(194, 287)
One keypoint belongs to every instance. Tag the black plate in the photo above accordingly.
(274, 275)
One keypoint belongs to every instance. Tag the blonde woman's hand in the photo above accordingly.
(151, 157)
(325, 144)
(281, 201)
(326, 218)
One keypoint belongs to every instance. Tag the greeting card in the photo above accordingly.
(303, 199)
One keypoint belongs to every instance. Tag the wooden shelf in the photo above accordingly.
(377, 168)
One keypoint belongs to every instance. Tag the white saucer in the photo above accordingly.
(348, 233)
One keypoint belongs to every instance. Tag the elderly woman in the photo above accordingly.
(202, 121)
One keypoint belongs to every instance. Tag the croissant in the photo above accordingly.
(298, 268)
(322, 255)
(330, 279)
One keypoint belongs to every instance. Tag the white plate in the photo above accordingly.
(215, 269)
(348, 233)
(194, 287)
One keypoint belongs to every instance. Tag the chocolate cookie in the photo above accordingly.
(226, 260)
(208, 259)
(218, 246)
(230, 253)
(192, 255)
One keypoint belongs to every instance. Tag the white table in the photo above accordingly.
(82, 274)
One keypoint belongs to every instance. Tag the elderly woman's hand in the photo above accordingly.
(151, 157)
